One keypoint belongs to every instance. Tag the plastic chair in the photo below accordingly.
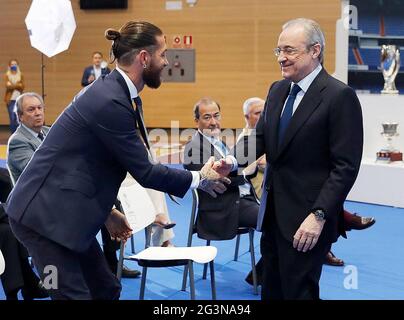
(158, 257)
(240, 231)
(2, 263)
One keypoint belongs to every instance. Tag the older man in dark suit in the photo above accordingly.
(312, 134)
(68, 189)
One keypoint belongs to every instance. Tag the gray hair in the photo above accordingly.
(20, 101)
(250, 102)
(204, 101)
(314, 34)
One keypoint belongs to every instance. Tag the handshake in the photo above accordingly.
(213, 176)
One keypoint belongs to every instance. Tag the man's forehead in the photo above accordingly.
(31, 101)
(209, 108)
(291, 35)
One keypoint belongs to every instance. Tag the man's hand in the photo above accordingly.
(118, 226)
(223, 166)
(211, 181)
(308, 233)
(91, 78)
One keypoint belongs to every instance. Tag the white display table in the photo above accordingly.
(378, 108)
(380, 183)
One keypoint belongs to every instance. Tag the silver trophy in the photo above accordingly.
(390, 64)
(389, 131)
(389, 153)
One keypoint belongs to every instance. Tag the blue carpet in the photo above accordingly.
(375, 254)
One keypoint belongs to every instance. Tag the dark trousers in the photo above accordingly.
(18, 273)
(80, 275)
(289, 274)
(248, 219)
(110, 246)
(12, 116)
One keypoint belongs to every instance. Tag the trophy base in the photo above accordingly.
(389, 91)
(389, 156)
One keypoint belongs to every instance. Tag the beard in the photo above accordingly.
(151, 76)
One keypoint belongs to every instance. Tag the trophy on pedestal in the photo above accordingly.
(389, 153)
(390, 65)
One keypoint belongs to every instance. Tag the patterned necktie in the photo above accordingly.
(287, 112)
(139, 119)
(40, 136)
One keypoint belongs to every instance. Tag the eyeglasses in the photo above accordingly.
(208, 117)
(290, 51)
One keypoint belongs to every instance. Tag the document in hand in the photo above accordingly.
(137, 205)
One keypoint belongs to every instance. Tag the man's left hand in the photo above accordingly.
(308, 233)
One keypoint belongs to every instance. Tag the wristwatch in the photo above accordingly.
(319, 214)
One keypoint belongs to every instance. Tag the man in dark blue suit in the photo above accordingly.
(312, 134)
(95, 71)
(66, 193)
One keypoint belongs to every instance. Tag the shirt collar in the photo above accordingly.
(305, 83)
(212, 140)
(34, 133)
(132, 88)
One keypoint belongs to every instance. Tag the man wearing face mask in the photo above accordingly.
(68, 189)
(97, 69)
(14, 82)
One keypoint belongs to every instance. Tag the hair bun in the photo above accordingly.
(112, 34)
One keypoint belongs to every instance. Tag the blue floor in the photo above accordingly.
(373, 262)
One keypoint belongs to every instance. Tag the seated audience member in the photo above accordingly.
(18, 274)
(94, 71)
(252, 109)
(219, 218)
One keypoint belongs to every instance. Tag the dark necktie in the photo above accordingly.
(40, 135)
(139, 119)
(287, 112)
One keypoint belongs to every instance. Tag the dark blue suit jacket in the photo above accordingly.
(90, 70)
(69, 187)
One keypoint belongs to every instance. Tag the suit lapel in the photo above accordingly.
(309, 103)
(208, 149)
(29, 136)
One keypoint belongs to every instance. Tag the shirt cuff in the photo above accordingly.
(196, 177)
(235, 164)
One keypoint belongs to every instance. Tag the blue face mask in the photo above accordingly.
(13, 68)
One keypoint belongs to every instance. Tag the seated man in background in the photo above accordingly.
(22, 145)
(94, 71)
(252, 109)
(18, 274)
(219, 219)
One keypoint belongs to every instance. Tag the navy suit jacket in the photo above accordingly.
(69, 187)
(90, 70)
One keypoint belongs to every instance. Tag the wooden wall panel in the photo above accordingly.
(233, 41)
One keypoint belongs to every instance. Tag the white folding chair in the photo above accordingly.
(240, 231)
(2, 263)
(134, 204)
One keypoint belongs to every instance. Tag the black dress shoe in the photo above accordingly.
(250, 281)
(128, 273)
(356, 222)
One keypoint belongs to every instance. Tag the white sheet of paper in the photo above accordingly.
(136, 203)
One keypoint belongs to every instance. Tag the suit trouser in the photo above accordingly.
(80, 275)
(289, 274)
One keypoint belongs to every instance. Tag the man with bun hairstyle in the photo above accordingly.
(68, 189)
